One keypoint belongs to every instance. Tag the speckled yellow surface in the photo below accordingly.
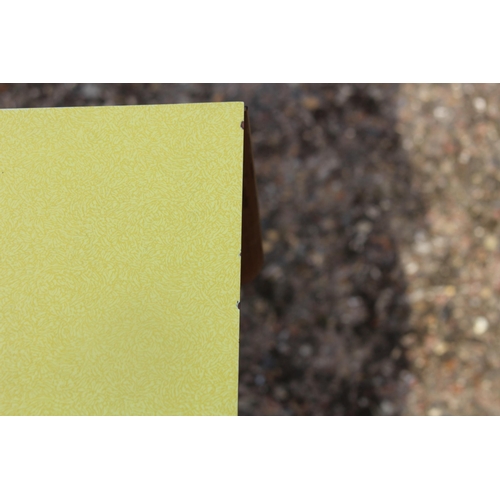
(120, 234)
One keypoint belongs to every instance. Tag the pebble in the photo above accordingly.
(440, 348)
(373, 212)
(364, 227)
(435, 412)
(417, 295)
(311, 103)
(272, 235)
(305, 350)
(441, 113)
(423, 247)
(267, 246)
(464, 157)
(396, 353)
(439, 242)
(480, 325)
(354, 302)
(480, 104)
(411, 268)
(491, 243)
(420, 362)
(407, 144)
(387, 407)
(91, 90)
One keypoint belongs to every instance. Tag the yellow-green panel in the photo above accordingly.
(120, 234)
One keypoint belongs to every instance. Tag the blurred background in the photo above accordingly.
(379, 294)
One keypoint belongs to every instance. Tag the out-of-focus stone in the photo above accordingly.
(480, 325)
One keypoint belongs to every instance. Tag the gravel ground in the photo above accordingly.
(381, 236)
